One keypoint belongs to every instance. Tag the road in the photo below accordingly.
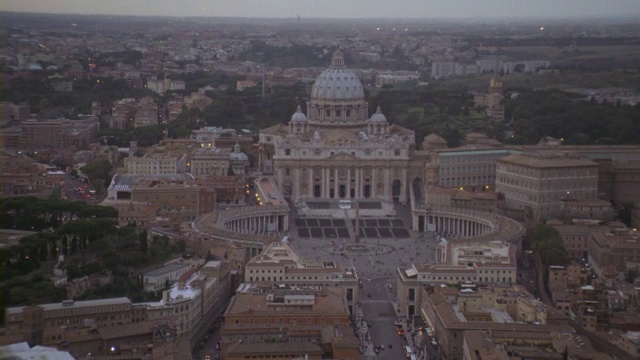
(376, 271)
(379, 312)
(70, 184)
(209, 349)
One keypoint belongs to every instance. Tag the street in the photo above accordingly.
(379, 312)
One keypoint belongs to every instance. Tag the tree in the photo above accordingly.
(65, 245)
(74, 245)
(144, 242)
(548, 243)
(578, 139)
(98, 169)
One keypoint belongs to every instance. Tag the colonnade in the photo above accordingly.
(259, 224)
(375, 184)
(450, 226)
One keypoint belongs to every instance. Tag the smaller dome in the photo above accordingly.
(299, 116)
(237, 154)
(234, 156)
(378, 117)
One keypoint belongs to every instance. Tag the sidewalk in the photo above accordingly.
(414, 341)
(363, 334)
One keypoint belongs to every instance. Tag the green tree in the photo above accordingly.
(144, 242)
(65, 245)
(98, 169)
(548, 243)
(74, 245)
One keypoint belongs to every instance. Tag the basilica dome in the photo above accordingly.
(299, 116)
(337, 82)
(379, 117)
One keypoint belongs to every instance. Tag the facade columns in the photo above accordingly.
(311, 184)
(296, 184)
(336, 181)
(348, 183)
(373, 182)
(358, 184)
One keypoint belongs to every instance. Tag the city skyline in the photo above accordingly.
(336, 9)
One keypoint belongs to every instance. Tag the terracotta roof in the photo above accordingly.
(274, 348)
(121, 331)
(434, 138)
(331, 303)
(542, 160)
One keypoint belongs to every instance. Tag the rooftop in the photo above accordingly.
(165, 269)
(548, 160)
(74, 304)
(329, 300)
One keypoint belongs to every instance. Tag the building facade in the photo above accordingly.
(310, 321)
(156, 164)
(537, 183)
(279, 264)
(353, 155)
(456, 263)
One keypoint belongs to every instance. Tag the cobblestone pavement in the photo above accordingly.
(376, 315)
(383, 255)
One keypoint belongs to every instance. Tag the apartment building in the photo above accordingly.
(280, 264)
(503, 312)
(42, 134)
(537, 183)
(456, 263)
(471, 167)
(312, 321)
(617, 249)
(152, 164)
(210, 162)
(158, 279)
(576, 237)
(177, 200)
(594, 209)
(146, 113)
(39, 324)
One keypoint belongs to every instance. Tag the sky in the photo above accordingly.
(336, 8)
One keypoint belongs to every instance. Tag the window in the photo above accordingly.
(287, 152)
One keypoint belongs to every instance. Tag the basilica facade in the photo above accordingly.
(336, 150)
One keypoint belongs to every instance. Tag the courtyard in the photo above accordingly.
(323, 232)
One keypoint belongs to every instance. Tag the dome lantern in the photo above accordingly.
(337, 62)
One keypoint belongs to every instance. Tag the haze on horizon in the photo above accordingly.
(336, 8)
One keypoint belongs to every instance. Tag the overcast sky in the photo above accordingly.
(335, 8)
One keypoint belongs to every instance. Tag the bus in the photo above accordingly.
(408, 352)
(344, 204)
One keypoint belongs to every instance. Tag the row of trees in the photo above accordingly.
(562, 115)
(240, 110)
(33, 214)
(38, 93)
(548, 243)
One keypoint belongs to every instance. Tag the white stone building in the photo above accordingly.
(337, 151)
(537, 183)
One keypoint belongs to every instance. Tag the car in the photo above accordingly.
(376, 350)
(368, 295)
(218, 346)
(390, 346)
(381, 347)
(390, 286)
